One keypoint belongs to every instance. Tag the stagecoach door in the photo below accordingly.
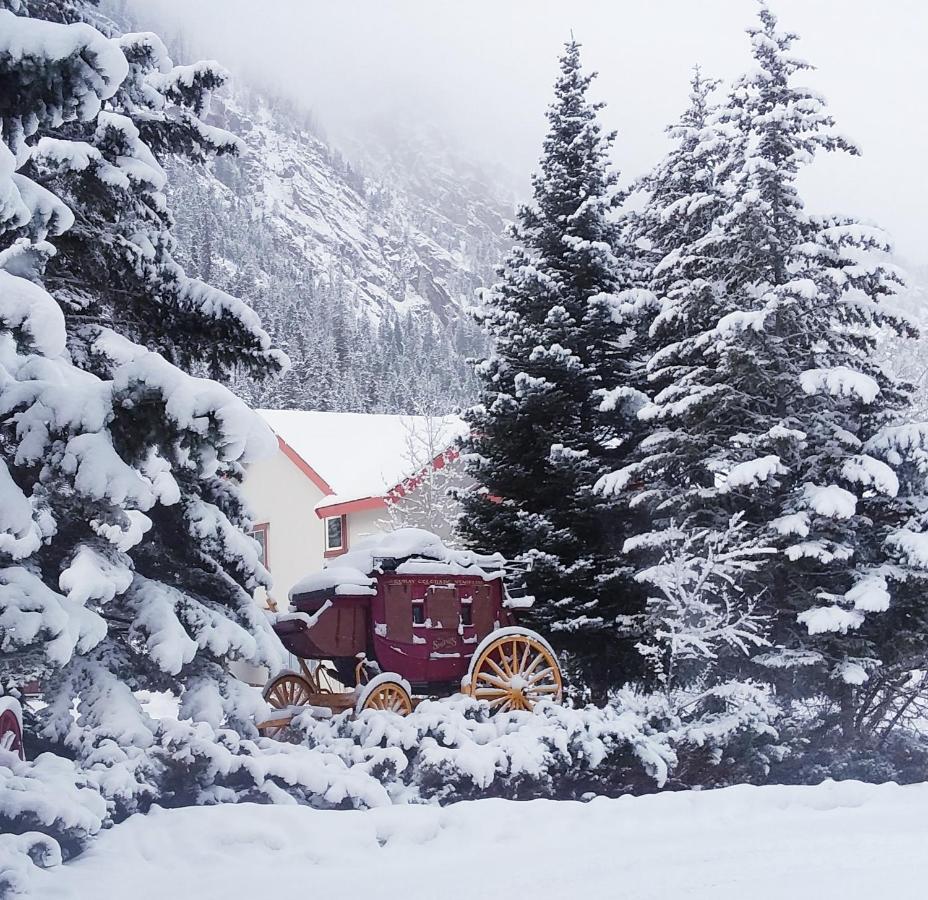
(442, 607)
(398, 612)
(482, 611)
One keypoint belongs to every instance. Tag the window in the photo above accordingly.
(418, 613)
(259, 533)
(335, 533)
(467, 617)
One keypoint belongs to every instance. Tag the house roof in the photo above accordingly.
(357, 459)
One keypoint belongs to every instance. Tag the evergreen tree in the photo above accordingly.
(539, 439)
(771, 404)
(124, 562)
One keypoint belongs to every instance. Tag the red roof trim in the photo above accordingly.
(304, 466)
(348, 506)
(409, 484)
(341, 508)
(399, 490)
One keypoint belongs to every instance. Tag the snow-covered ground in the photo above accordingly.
(837, 840)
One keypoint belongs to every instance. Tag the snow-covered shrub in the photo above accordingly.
(49, 809)
(194, 764)
(819, 749)
(727, 734)
(454, 749)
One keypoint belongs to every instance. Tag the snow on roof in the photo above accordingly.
(364, 455)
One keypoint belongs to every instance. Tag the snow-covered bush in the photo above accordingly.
(726, 734)
(454, 749)
(48, 811)
(820, 749)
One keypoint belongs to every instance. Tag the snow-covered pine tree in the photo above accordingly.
(539, 441)
(775, 407)
(124, 559)
(682, 200)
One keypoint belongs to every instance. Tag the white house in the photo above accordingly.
(337, 477)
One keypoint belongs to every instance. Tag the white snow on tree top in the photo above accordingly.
(363, 455)
(350, 573)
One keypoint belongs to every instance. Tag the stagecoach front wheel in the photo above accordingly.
(515, 669)
(388, 693)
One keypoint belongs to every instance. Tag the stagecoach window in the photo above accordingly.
(335, 533)
(418, 614)
(466, 616)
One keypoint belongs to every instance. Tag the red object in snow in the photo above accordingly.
(403, 615)
(11, 726)
(423, 627)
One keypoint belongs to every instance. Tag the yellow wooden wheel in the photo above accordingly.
(515, 671)
(286, 690)
(388, 694)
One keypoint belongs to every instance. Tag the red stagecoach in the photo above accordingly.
(401, 617)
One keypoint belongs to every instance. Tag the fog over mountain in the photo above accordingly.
(480, 74)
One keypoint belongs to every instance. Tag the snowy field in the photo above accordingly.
(838, 840)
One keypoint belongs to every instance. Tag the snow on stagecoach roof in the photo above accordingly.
(423, 553)
(362, 455)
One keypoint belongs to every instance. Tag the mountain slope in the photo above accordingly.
(363, 280)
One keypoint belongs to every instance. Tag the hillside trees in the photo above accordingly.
(363, 282)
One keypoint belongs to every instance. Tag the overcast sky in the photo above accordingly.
(481, 70)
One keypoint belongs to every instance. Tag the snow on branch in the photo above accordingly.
(31, 314)
(33, 615)
(831, 501)
(824, 619)
(840, 381)
(870, 472)
(87, 66)
(752, 473)
(912, 547)
(699, 607)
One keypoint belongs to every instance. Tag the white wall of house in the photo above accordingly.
(363, 523)
(281, 496)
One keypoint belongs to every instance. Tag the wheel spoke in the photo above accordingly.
(504, 661)
(492, 679)
(540, 675)
(539, 658)
(485, 693)
(496, 668)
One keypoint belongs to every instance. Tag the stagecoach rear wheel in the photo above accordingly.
(387, 693)
(515, 669)
(284, 691)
